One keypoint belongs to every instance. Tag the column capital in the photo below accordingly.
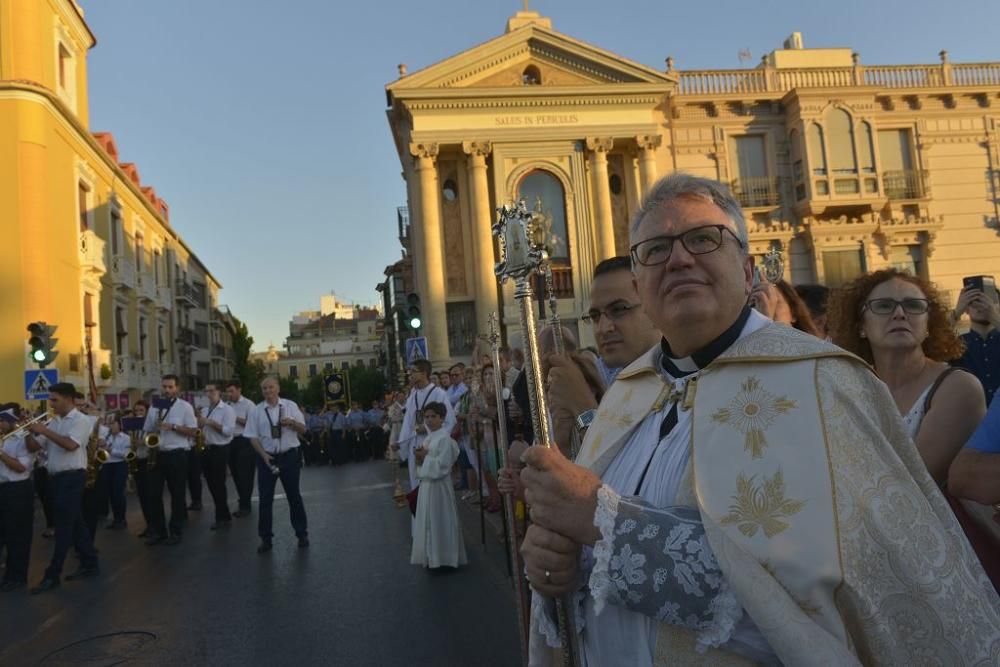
(600, 144)
(649, 142)
(477, 148)
(428, 150)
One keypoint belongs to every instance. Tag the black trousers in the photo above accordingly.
(44, 493)
(194, 476)
(142, 488)
(111, 482)
(213, 463)
(289, 468)
(376, 438)
(67, 494)
(171, 469)
(355, 445)
(90, 508)
(242, 466)
(335, 447)
(17, 514)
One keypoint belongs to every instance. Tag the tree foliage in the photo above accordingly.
(367, 384)
(248, 372)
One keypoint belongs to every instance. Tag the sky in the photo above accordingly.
(262, 123)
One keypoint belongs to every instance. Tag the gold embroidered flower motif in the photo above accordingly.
(761, 507)
(751, 412)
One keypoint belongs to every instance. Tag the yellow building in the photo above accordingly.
(85, 245)
(844, 167)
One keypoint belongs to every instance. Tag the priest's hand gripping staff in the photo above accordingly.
(520, 260)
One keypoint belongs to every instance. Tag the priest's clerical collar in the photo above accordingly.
(679, 367)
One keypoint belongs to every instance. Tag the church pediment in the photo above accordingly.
(526, 56)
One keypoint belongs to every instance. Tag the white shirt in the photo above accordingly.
(242, 409)
(76, 426)
(264, 415)
(409, 439)
(17, 448)
(180, 414)
(223, 414)
(119, 446)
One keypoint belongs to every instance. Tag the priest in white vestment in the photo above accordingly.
(437, 535)
(747, 493)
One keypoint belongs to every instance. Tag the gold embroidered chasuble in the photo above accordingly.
(821, 514)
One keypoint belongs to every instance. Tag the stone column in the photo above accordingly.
(603, 220)
(430, 258)
(482, 235)
(648, 143)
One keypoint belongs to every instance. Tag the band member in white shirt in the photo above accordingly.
(274, 428)
(217, 423)
(17, 509)
(242, 458)
(114, 473)
(175, 423)
(65, 440)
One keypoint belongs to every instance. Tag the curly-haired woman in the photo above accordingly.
(899, 324)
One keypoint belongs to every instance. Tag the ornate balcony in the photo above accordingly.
(184, 292)
(146, 287)
(92, 253)
(906, 184)
(187, 337)
(164, 298)
(122, 273)
(757, 191)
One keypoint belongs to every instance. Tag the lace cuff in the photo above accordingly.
(657, 562)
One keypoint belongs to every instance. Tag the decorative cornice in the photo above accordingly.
(423, 151)
(503, 102)
(600, 144)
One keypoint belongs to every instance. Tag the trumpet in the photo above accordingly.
(22, 430)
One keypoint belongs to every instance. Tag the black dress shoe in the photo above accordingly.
(9, 586)
(46, 585)
(83, 573)
(219, 525)
(264, 547)
(154, 539)
(303, 542)
(172, 540)
(194, 507)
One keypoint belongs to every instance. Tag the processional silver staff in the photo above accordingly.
(520, 260)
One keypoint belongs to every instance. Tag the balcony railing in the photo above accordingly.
(92, 253)
(164, 298)
(905, 184)
(146, 287)
(769, 79)
(186, 336)
(757, 191)
(184, 292)
(562, 281)
(122, 272)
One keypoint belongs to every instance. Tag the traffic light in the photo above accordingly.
(42, 343)
(413, 318)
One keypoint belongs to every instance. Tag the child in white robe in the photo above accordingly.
(437, 535)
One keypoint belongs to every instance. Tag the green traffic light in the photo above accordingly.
(415, 322)
(38, 355)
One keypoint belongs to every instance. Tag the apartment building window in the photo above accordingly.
(161, 341)
(842, 266)
(817, 149)
(752, 185)
(65, 66)
(898, 174)
(66, 71)
(199, 294)
(138, 254)
(116, 225)
(293, 371)
(156, 267)
(313, 370)
(345, 365)
(373, 364)
(908, 258)
(83, 203)
(121, 332)
(328, 366)
(201, 334)
(142, 337)
(841, 144)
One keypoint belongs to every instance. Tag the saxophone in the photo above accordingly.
(96, 455)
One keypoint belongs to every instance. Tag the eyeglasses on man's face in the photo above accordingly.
(614, 312)
(886, 306)
(697, 241)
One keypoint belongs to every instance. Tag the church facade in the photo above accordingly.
(842, 167)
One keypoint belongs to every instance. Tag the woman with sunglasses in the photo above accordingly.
(899, 324)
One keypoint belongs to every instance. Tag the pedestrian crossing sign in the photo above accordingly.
(416, 348)
(37, 383)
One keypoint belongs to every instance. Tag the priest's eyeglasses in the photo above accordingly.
(614, 312)
(697, 241)
(888, 306)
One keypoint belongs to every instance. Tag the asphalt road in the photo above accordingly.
(352, 598)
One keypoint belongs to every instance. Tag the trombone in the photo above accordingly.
(22, 430)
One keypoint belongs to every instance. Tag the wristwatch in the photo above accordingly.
(584, 419)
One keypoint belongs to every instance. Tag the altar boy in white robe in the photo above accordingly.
(437, 536)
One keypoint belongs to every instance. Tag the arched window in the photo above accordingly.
(817, 149)
(840, 130)
(543, 192)
(531, 76)
(866, 145)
